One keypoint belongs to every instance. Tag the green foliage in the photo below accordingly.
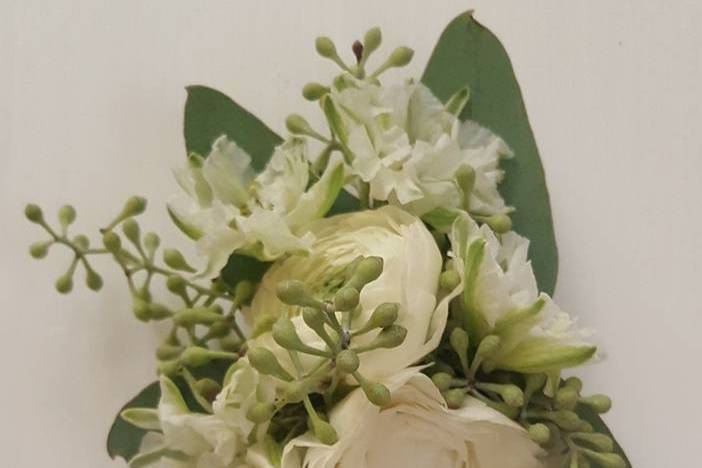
(468, 54)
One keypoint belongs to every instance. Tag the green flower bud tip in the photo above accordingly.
(293, 292)
(314, 91)
(140, 308)
(314, 318)
(243, 291)
(378, 394)
(347, 361)
(488, 346)
(385, 315)
(295, 391)
(93, 280)
(208, 388)
(81, 241)
(566, 419)
(196, 356)
(324, 431)
(574, 382)
(455, 397)
(400, 57)
(500, 223)
(159, 311)
(175, 284)
(260, 413)
(599, 403)
(566, 398)
(325, 47)
(170, 367)
(539, 433)
(372, 40)
(33, 213)
(151, 241)
(168, 351)
(297, 125)
(134, 206)
(600, 441)
(605, 460)
(513, 396)
(197, 316)
(66, 215)
(264, 361)
(39, 250)
(218, 330)
(389, 337)
(449, 280)
(64, 283)
(131, 230)
(369, 269)
(174, 259)
(111, 241)
(285, 335)
(459, 341)
(442, 380)
(346, 299)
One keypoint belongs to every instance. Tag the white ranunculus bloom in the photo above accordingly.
(227, 208)
(416, 430)
(407, 147)
(412, 265)
(503, 299)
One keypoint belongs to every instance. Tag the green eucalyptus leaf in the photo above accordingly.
(243, 267)
(468, 54)
(210, 114)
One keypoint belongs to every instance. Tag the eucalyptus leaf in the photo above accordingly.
(468, 54)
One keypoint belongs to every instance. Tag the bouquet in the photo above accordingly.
(372, 294)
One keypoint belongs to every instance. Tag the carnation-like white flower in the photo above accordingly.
(408, 148)
(416, 430)
(410, 278)
(227, 208)
(195, 440)
(501, 297)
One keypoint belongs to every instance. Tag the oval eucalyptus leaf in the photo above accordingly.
(210, 114)
(468, 54)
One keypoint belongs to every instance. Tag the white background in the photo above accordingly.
(91, 96)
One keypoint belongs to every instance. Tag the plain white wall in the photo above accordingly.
(91, 96)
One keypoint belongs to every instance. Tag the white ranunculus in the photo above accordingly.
(416, 430)
(407, 147)
(412, 265)
(227, 208)
(503, 299)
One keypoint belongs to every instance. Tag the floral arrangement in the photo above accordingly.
(367, 297)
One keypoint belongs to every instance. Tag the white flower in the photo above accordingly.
(416, 430)
(407, 147)
(501, 297)
(412, 265)
(228, 208)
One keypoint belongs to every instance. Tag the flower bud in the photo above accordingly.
(566, 398)
(601, 441)
(168, 351)
(488, 346)
(260, 412)
(377, 393)
(513, 396)
(325, 47)
(196, 356)
(297, 125)
(219, 330)
(33, 213)
(140, 308)
(314, 91)
(93, 280)
(389, 337)
(131, 230)
(449, 280)
(385, 315)
(347, 361)
(176, 284)
(66, 215)
(599, 403)
(189, 317)
(442, 380)
(81, 241)
(465, 178)
(346, 299)
(64, 283)
(111, 241)
(500, 223)
(243, 291)
(566, 419)
(539, 433)
(368, 269)
(264, 361)
(534, 383)
(455, 397)
(323, 431)
(39, 249)
(459, 342)
(372, 40)
(159, 311)
(293, 292)
(151, 242)
(400, 57)
(575, 383)
(285, 334)
(295, 391)
(605, 460)
(314, 318)
(133, 207)
(169, 367)
(174, 259)
(208, 388)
